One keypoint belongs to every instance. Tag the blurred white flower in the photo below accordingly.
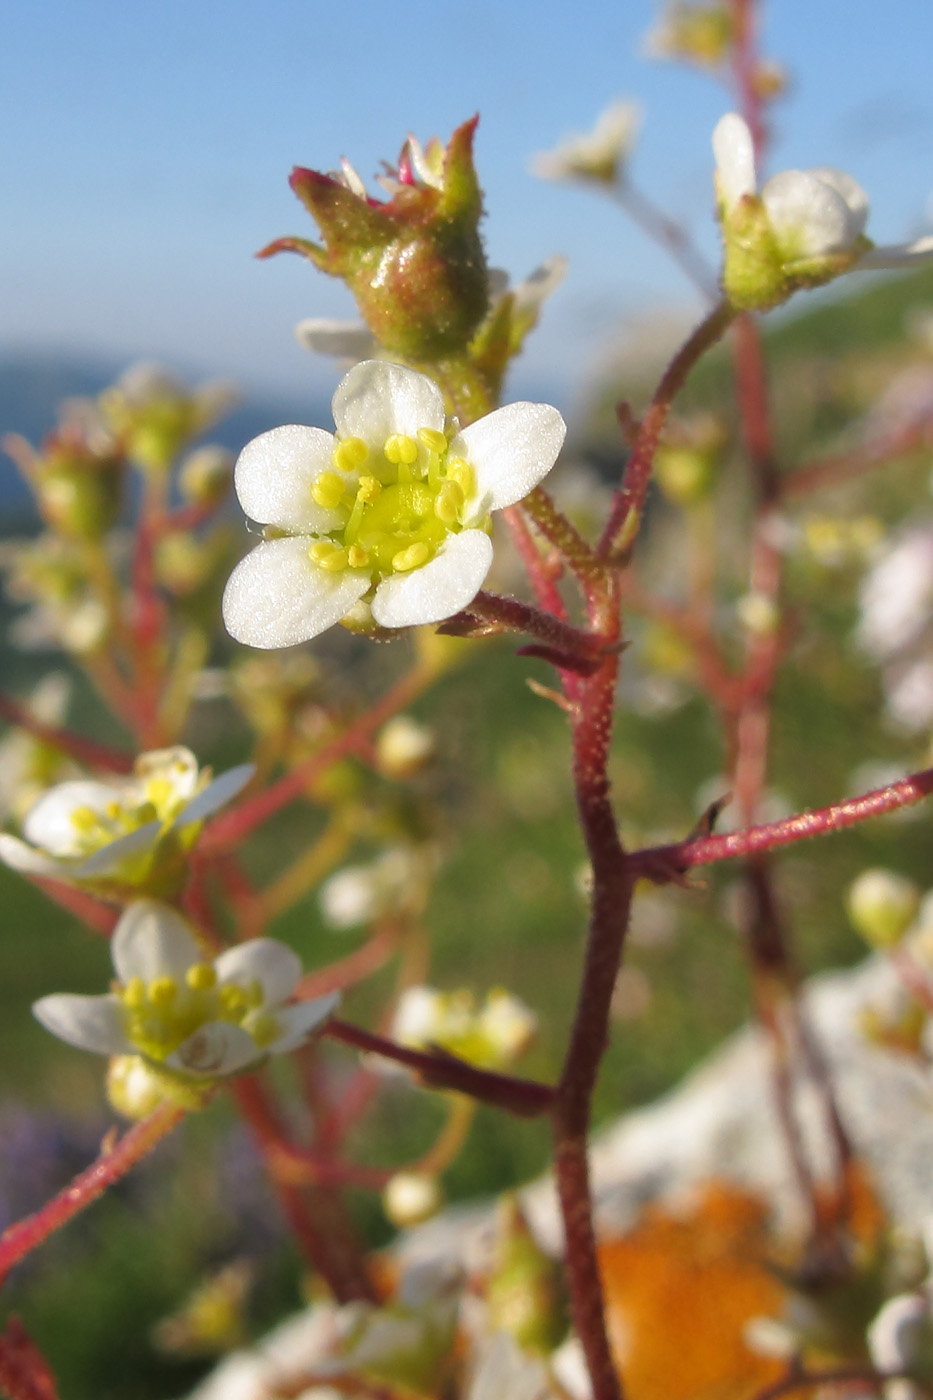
(403, 747)
(900, 1335)
(599, 155)
(28, 765)
(393, 883)
(392, 510)
(411, 1197)
(197, 1018)
(503, 1369)
(122, 833)
(491, 1036)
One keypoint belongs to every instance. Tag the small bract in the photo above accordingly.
(125, 834)
(197, 1018)
(391, 511)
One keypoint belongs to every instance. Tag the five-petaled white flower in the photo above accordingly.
(391, 511)
(812, 214)
(127, 833)
(184, 1013)
(600, 155)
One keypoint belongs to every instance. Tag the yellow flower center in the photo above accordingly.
(408, 497)
(161, 1014)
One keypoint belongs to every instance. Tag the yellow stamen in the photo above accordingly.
(328, 555)
(350, 454)
(449, 503)
(461, 472)
(264, 1029)
(328, 489)
(134, 993)
(200, 977)
(432, 440)
(85, 819)
(357, 557)
(233, 1000)
(162, 991)
(401, 449)
(411, 558)
(369, 489)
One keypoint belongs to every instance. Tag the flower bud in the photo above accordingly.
(206, 475)
(403, 747)
(411, 1197)
(414, 263)
(882, 906)
(136, 1088)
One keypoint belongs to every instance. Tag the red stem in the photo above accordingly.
(525, 1097)
(23, 1237)
(85, 751)
(665, 863)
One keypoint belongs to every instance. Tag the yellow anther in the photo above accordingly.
(200, 977)
(233, 999)
(327, 490)
(134, 993)
(254, 994)
(400, 448)
(335, 561)
(449, 503)
(350, 454)
(328, 555)
(85, 820)
(264, 1029)
(112, 809)
(146, 812)
(357, 557)
(369, 489)
(159, 793)
(162, 991)
(460, 471)
(432, 439)
(411, 558)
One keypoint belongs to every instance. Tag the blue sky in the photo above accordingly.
(146, 148)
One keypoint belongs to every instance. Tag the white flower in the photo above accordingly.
(181, 1012)
(391, 510)
(503, 1369)
(393, 883)
(492, 1036)
(812, 214)
(341, 340)
(411, 1197)
(121, 833)
(600, 154)
(403, 747)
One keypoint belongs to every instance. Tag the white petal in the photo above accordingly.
(342, 340)
(90, 1023)
(28, 861)
(151, 941)
(218, 1047)
(116, 853)
(896, 255)
(48, 824)
(217, 794)
(300, 1020)
(267, 961)
(276, 597)
(510, 451)
(273, 478)
(441, 588)
(377, 399)
(539, 285)
(850, 189)
(811, 215)
(735, 158)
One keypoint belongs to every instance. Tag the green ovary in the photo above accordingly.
(408, 498)
(160, 1015)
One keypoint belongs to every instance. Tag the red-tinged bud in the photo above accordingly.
(415, 263)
